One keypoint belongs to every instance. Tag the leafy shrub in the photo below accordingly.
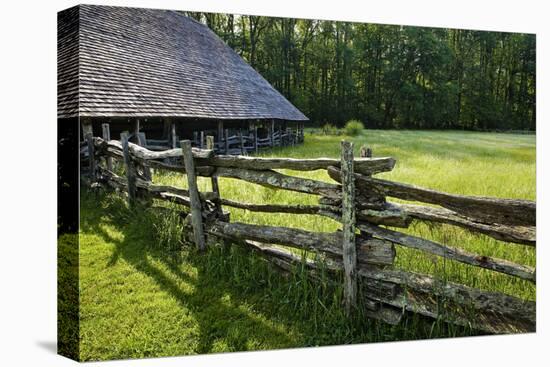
(354, 127)
(329, 129)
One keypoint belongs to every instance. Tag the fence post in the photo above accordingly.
(106, 133)
(348, 226)
(214, 178)
(365, 152)
(142, 141)
(129, 167)
(196, 206)
(91, 156)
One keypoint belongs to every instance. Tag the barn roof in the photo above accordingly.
(118, 61)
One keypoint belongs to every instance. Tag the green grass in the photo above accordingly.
(142, 298)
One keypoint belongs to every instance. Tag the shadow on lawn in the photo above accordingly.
(228, 285)
(217, 317)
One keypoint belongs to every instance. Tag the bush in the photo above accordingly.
(354, 127)
(329, 129)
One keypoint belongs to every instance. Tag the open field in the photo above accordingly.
(139, 299)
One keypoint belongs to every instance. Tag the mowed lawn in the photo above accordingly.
(138, 298)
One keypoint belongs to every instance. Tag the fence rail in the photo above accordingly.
(362, 250)
(234, 141)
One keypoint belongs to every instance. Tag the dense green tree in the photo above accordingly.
(390, 76)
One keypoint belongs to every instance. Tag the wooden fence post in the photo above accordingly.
(129, 167)
(106, 132)
(214, 178)
(348, 227)
(196, 206)
(365, 152)
(142, 141)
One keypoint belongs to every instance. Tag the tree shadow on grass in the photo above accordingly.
(219, 308)
(236, 299)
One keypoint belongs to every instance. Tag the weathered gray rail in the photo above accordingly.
(363, 250)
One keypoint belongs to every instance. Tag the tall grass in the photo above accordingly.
(469, 163)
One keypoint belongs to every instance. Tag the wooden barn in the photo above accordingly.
(165, 76)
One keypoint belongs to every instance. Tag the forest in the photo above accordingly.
(390, 76)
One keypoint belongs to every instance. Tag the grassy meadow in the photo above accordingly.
(143, 295)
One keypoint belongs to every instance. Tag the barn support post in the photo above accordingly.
(129, 168)
(280, 135)
(173, 136)
(106, 133)
(136, 129)
(349, 254)
(196, 138)
(201, 144)
(226, 141)
(86, 127)
(220, 132)
(214, 178)
(91, 156)
(289, 138)
(87, 136)
(255, 138)
(271, 132)
(196, 206)
(243, 152)
(166, 129)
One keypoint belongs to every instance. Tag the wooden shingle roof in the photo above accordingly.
(117, 61)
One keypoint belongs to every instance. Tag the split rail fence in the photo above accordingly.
(230, 141)
(363, 250)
